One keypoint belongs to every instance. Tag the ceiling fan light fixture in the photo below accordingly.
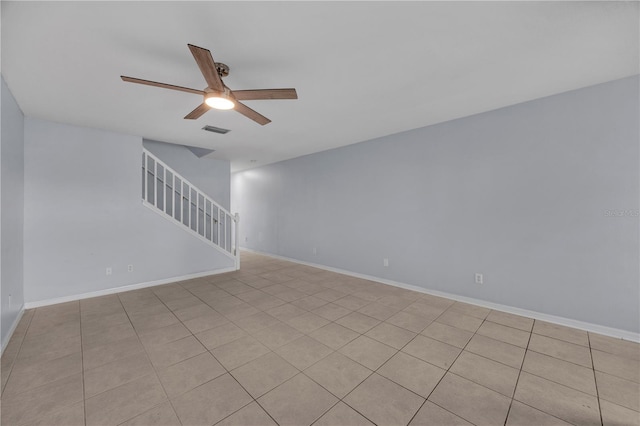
(216, 94)
(220, 100)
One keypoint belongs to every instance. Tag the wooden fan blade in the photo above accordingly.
(163, 85)
(207, 66)
(249, 113)
(197, 113)
(249, 95)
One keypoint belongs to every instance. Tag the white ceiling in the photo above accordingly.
(362, 69)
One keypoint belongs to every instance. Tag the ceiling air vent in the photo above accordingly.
(215, 129)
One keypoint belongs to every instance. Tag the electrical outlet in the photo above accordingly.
(315, 250)
(130, 268)
(109, 270)
(479, 278)
(385, 262)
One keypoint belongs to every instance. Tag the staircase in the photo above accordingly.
(178, 200)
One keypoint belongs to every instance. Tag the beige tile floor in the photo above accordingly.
(281, 343)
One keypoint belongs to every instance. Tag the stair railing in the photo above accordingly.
(168, 193)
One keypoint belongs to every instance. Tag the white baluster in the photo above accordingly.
(155, 183)
(236, 239)
(173, 196)
(146, 178)
(164, 189)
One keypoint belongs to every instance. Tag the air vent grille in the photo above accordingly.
(215, 129)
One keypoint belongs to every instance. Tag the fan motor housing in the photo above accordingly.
(223, 69)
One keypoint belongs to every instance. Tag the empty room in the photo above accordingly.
(320, 213)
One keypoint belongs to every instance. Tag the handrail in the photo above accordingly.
(212, 223)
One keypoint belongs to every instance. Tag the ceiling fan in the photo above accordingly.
(217, 94)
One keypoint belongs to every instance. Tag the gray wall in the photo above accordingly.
(83, 213)
(209, 175)
(12, 203)
(519, 194)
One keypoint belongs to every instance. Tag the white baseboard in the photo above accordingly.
(568, 322)
(5, 342)
(54, 301)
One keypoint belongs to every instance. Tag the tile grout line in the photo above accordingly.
(384, 363)
(376, 372)
(534, 374)
(560, 359)
(331, 408)
(207, 350)
(544, 378)
(46, 361)
(303, 334)
(155, 371)
(595, 380)
(84, 389)
(531, 333)
(24, 336)
(270, 351)
(126, 313)
(299, 371)
(273, 351)
(397, 351)
(449, 368)
(223, 366)
(519, 373)
(252, 334)
(526, 349)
